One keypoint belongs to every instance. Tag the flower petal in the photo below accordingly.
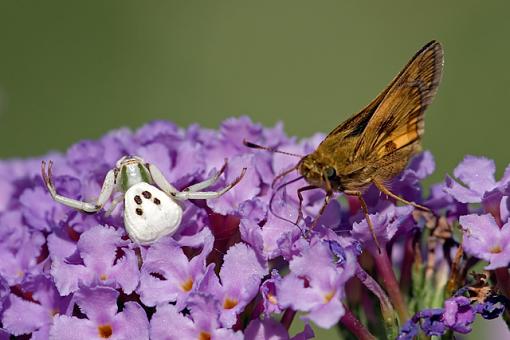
(72, 328)
(99, 304)
(327, 315)
(131, 323)
(168, 323)
(265, 329)
(481, 233)
(477, 173)
(24, 316)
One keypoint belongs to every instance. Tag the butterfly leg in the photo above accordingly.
(300, 196)
(365, 211)
(329, 194)
(387, 192)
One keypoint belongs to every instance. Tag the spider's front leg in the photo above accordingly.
(160, 180)
(208, 182)
(197, 195)
(106, 191)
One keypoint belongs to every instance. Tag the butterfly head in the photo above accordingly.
(316, 172)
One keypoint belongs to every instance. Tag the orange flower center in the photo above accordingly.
(204, 336)
(103, 277)
(271, 298)
(496, 249)
(187, 285)
(229, 303)
(329, 296)
(105, 331)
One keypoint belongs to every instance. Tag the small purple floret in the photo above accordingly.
(484, 239)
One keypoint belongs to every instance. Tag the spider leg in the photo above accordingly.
(208, 182)
(195, 195)
(106, 191)
(161, 181)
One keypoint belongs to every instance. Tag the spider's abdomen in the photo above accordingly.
(149, 213)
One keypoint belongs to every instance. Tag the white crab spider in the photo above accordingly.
(149, 213)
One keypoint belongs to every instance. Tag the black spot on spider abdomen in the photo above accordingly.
(139, 211)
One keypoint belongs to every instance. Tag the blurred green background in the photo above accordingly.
(72, 70)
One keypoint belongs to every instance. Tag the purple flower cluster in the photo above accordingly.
(236, 268)
(486, 230)
(457, 315)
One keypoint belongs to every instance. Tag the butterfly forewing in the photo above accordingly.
(398, 118)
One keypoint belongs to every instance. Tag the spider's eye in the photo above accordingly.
(329, 173)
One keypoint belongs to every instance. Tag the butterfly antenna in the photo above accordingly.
(280, 187)
(267, 148)
(283, 174)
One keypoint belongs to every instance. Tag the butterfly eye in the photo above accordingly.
(330, 172)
